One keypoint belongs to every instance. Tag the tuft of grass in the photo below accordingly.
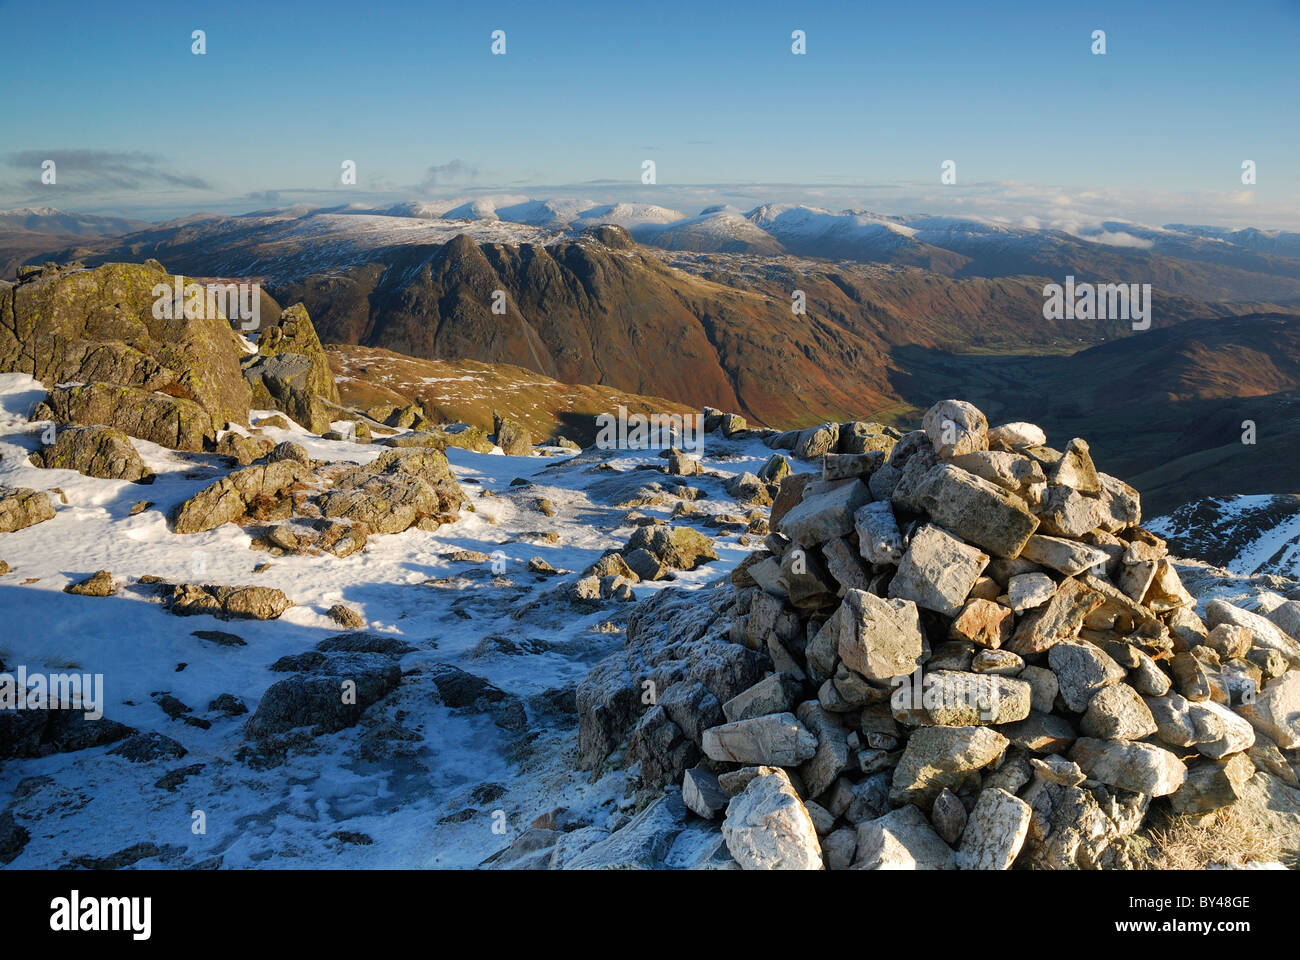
(1232, 836)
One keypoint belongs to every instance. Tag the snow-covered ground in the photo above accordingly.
(1246, 534)
(88, 803)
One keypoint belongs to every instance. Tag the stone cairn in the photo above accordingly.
(979, 658)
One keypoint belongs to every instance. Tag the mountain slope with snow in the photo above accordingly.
(419, 782)
(1247, 535)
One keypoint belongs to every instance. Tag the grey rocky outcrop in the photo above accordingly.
(96, 452)
(290, 371)
(513, 438)
(398, 490)
(161, 375)
(229, 499)
(160, 418)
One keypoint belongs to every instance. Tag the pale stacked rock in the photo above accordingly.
(976, 658)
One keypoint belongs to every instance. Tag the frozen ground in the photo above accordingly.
(434, 808)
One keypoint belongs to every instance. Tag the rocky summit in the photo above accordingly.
(844, 646)
(962, 652)
(176, 377)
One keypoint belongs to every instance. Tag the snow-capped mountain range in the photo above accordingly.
(769, 228)
(52, 220)
(291, 243)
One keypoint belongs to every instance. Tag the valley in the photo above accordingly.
(644, 301)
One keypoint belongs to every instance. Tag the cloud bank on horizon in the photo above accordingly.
(1148, 115)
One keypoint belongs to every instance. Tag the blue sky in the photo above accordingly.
(1038, 126)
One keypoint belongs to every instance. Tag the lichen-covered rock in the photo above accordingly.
(1140, 767)
(612, 564)
(728, 423)
(396, 491)
(880, 639)
(513, 439)
(1064, 556)
(956, 427)
(96, 452)
(747, 488)
(1264, 631)
(290, 371)
(937, 571)
(1275, 711)
(99, 584)
(1213, 784)
(879, 539)
(644, 564)
(1076, 827)
(1009, 436)
(777, 739)
(228, 603)
(469, 438)
(1065, 512)
(866, 436)
(938, 757)
(773, 694)
(1117, 713)
(345, 616)
(975, 510)
(956, 699)
(288, 450)
(1029, 590)
(173, 422)
(679, 547)
(101, 325)
(22, 507)
(244, 450)
(832, 756)
(817, 441)
(229, 499)
(1081, 671)
(983, 623)
(1058, 620)
(823, 516)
